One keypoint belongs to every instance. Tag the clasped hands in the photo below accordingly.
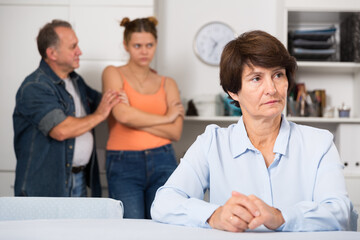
(243, 212)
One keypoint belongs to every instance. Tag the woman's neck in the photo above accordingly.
(262, 132)
(137, 68)
(139, 73)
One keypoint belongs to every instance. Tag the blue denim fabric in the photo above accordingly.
(44, 164)
(134, 177)
(78, 184)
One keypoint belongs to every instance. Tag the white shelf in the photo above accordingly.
(293, 119)
(338, 67)
(212, 119)
(323, 120)
(351, 173)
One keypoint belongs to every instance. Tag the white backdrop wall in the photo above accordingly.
(179, 22)
(96, 23)
(100, 39)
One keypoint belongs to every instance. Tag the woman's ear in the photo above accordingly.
(233, 96)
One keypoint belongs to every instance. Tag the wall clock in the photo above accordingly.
(210, 40)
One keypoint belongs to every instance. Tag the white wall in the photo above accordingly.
(96, 23)
(100, 39)
(180, 20)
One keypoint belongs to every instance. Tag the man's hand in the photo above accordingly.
(109, 99)
(123, 97)
(73, 127)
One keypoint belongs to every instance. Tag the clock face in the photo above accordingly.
(210, 40)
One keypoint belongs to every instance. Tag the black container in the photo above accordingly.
(350, 38)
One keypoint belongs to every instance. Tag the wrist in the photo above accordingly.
(211, 219)
(98, 117)
(280, 219)
(167, 119)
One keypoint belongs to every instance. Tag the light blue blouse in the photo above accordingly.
(305, 181)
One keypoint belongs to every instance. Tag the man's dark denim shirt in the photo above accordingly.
(43, 163)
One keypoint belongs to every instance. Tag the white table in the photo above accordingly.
(104, 229)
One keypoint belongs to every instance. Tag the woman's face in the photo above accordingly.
(141, 47)
(263, 92)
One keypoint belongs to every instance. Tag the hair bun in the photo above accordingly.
(153, 20)
(124, 22)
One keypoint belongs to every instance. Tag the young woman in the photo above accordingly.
(140, 157)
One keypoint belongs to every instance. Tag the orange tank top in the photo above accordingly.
(130, 139)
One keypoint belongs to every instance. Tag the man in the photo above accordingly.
(54, 116)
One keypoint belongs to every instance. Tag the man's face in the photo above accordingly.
(67, 51)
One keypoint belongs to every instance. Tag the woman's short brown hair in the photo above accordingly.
(254, 48)
(139, 25)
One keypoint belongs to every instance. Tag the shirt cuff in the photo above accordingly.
(290, 216)
(203, 212)
(50, 120)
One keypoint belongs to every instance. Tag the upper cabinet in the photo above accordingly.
(323, 36)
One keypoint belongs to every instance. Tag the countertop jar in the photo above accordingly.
(344, 111)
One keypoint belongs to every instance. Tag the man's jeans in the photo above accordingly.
(134, 177)
(78, 184)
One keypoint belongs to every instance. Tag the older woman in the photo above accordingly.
(264, 170)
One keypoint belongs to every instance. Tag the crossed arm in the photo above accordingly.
(167, 126)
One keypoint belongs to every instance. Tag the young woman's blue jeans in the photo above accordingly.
(134, 177)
